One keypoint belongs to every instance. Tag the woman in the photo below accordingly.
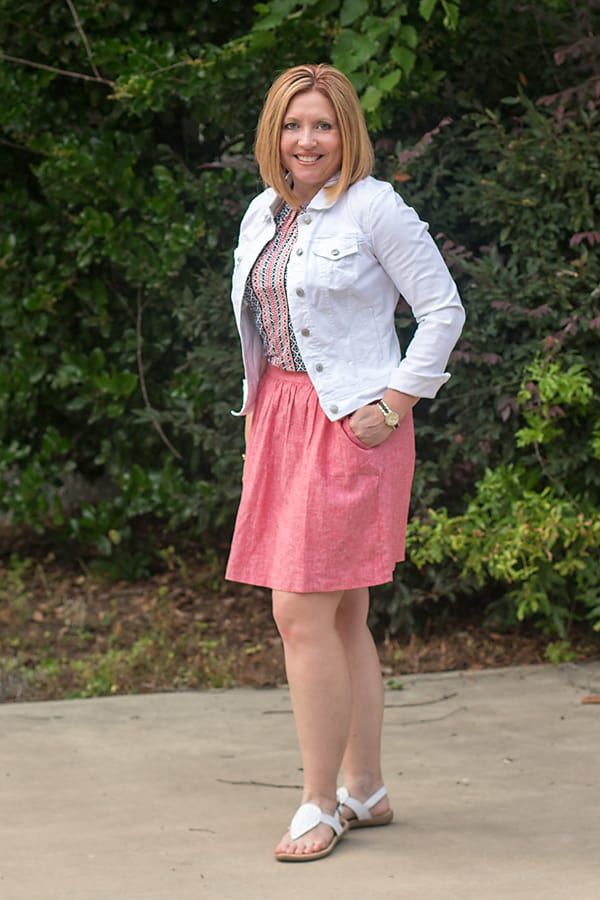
(323, 254)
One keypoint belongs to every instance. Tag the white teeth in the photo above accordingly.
(307, 158)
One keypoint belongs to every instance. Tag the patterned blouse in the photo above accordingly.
(266, 295)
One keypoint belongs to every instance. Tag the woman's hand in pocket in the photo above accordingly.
(367, 424)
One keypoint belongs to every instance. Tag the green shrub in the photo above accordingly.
(125, 166)
(122, 185)
(515, 191)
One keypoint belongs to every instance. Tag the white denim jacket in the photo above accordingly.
(352, 260)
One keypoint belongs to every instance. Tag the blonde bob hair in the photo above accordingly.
(357, 150)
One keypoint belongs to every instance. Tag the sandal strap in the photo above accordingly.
(308, 816)
(360, 810)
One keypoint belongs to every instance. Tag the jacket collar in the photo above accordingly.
(319, 201)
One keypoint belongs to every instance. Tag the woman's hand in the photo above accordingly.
(367, 421)
(367, 424)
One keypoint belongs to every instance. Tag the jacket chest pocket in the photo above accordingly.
(337, 262)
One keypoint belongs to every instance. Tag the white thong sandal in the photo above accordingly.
(308, 816)
(362, 811)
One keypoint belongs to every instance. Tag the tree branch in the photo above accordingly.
(15, 146)
(140, 365)
(55, 71)
(84, 39)
(97, 77)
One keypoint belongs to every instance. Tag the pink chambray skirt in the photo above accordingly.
(319, 510)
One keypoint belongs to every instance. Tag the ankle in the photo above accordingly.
(327, 804)
(363, 786)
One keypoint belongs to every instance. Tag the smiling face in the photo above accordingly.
(311, 145)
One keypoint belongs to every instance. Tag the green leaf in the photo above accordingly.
(403, 57)
(352, 10)
(371, 98)
(426, 8)
(276, 14)
(451, 14)
(389, 81)
(352, 50)
(409, 36)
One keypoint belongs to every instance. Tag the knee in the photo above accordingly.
(296, 621)
(289, 619)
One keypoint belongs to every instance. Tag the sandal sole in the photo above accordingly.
(373, 822)
(318, 854)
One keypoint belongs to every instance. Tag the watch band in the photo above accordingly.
(390, 416)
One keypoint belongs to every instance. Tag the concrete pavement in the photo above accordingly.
(494, 778)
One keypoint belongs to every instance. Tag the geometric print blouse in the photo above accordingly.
(266, 295)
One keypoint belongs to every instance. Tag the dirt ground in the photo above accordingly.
(65, 632)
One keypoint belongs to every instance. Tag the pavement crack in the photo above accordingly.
(421, 702)
(436, 719)
(291, 787)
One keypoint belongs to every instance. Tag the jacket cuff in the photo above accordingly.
(415, 384)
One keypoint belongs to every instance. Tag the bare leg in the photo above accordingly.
(320, 688)
(362, 757)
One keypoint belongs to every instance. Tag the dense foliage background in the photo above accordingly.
(125, 165)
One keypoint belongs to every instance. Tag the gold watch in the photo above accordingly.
(390, 416)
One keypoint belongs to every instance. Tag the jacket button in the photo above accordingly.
(319, 367)
(305, 332)
(333, 408)
(299, 251)
(300, 292)
(335, 252)
(307, 219)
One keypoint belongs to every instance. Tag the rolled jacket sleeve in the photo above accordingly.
(405, 249)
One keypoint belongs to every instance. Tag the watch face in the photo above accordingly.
(390, 417)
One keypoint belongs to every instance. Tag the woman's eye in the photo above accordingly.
(320, 126)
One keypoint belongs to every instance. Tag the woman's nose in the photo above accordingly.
(306, 137)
